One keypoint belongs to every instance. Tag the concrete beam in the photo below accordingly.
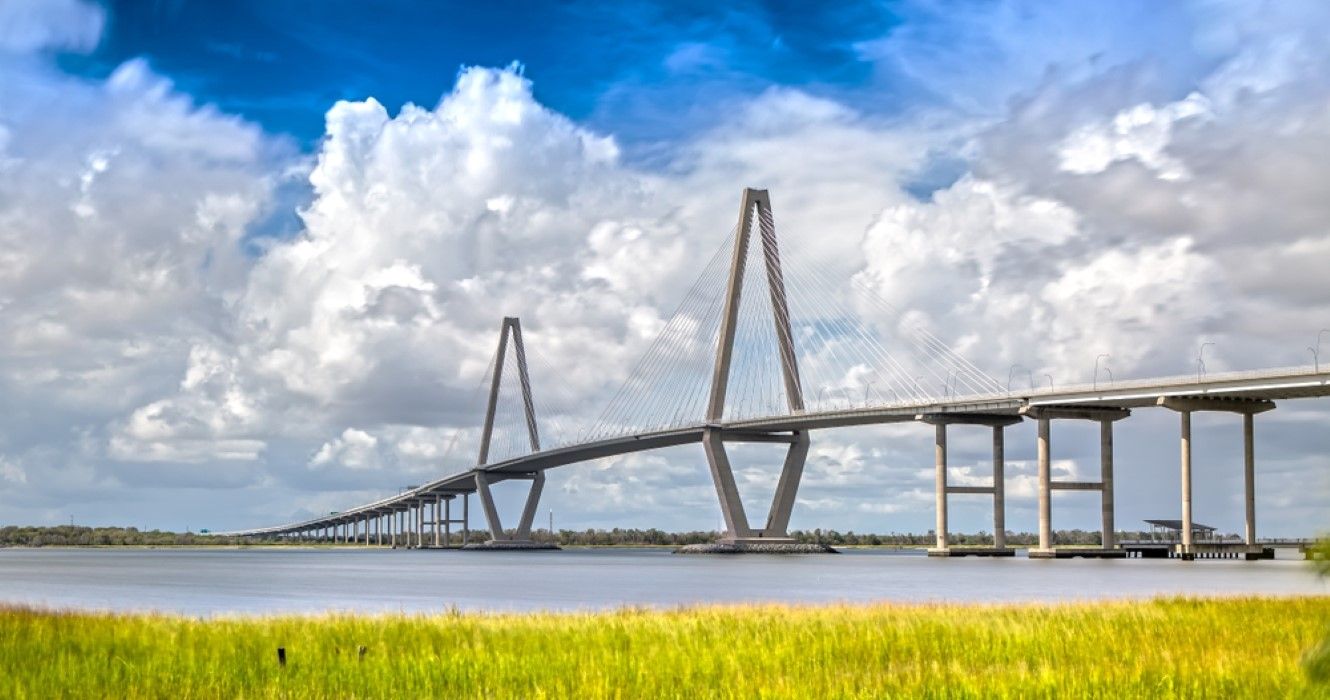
(1076, 485)
(1215, 403)
(754, 436)
(970, 489)
(1099, 413)
(995, 420)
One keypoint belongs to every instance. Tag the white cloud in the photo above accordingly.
(30, 25)
(1141, 132)
(355, 449)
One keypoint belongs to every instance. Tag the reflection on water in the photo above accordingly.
(217, 581)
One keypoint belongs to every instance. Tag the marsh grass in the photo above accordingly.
(1196, 648)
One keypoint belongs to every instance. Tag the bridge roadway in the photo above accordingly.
(1236, 388)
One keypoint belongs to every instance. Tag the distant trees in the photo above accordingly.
(78, 536)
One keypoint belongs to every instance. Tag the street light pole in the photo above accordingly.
(1200, 362)
(1097, 358)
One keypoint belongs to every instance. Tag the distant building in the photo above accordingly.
(1171, 531)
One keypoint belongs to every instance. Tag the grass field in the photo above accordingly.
(1218, 648)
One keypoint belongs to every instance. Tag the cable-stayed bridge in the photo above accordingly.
(759, 351)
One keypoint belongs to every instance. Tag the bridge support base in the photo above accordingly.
(786, 546)
(509, 546)
(738, 536)
(972, 552)
(500, 539)
(1077, 553)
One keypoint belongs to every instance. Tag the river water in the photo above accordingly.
(212, 581)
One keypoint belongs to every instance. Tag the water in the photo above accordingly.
(210, 581)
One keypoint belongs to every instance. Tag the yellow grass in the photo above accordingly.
(1219, 648)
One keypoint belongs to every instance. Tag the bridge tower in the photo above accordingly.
(499, 538)
(755, 213)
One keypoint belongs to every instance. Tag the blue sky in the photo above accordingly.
(648, 72)
(240, 282)
(625, 67)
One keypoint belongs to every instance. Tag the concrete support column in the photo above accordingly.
(1109, 538)
(1045, 489)
(782, 503)
(466, 519)
(1186, 484)
(487, 502)
(999, 487)
(722, 475)
(529, 510)
(448, 521)
(438, 501)
(940, 479)
(1249, 474)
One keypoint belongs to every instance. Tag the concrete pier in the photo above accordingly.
(1187, 548)
(1249, 475)
(999, 489)
(1105, 416)
(1045, 494)
(940, 482)
(1185, 406)
(942, 489)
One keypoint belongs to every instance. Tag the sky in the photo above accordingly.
(254, 255)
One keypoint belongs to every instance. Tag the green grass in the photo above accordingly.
(1208, 648)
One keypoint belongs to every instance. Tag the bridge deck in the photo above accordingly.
(1278, 384)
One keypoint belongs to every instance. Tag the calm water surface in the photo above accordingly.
(227, 581)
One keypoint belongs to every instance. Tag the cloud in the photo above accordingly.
(126, 204)
(355, 449)
(31, 25)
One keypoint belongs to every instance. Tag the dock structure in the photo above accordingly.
(1166, 541)
(696, 385)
